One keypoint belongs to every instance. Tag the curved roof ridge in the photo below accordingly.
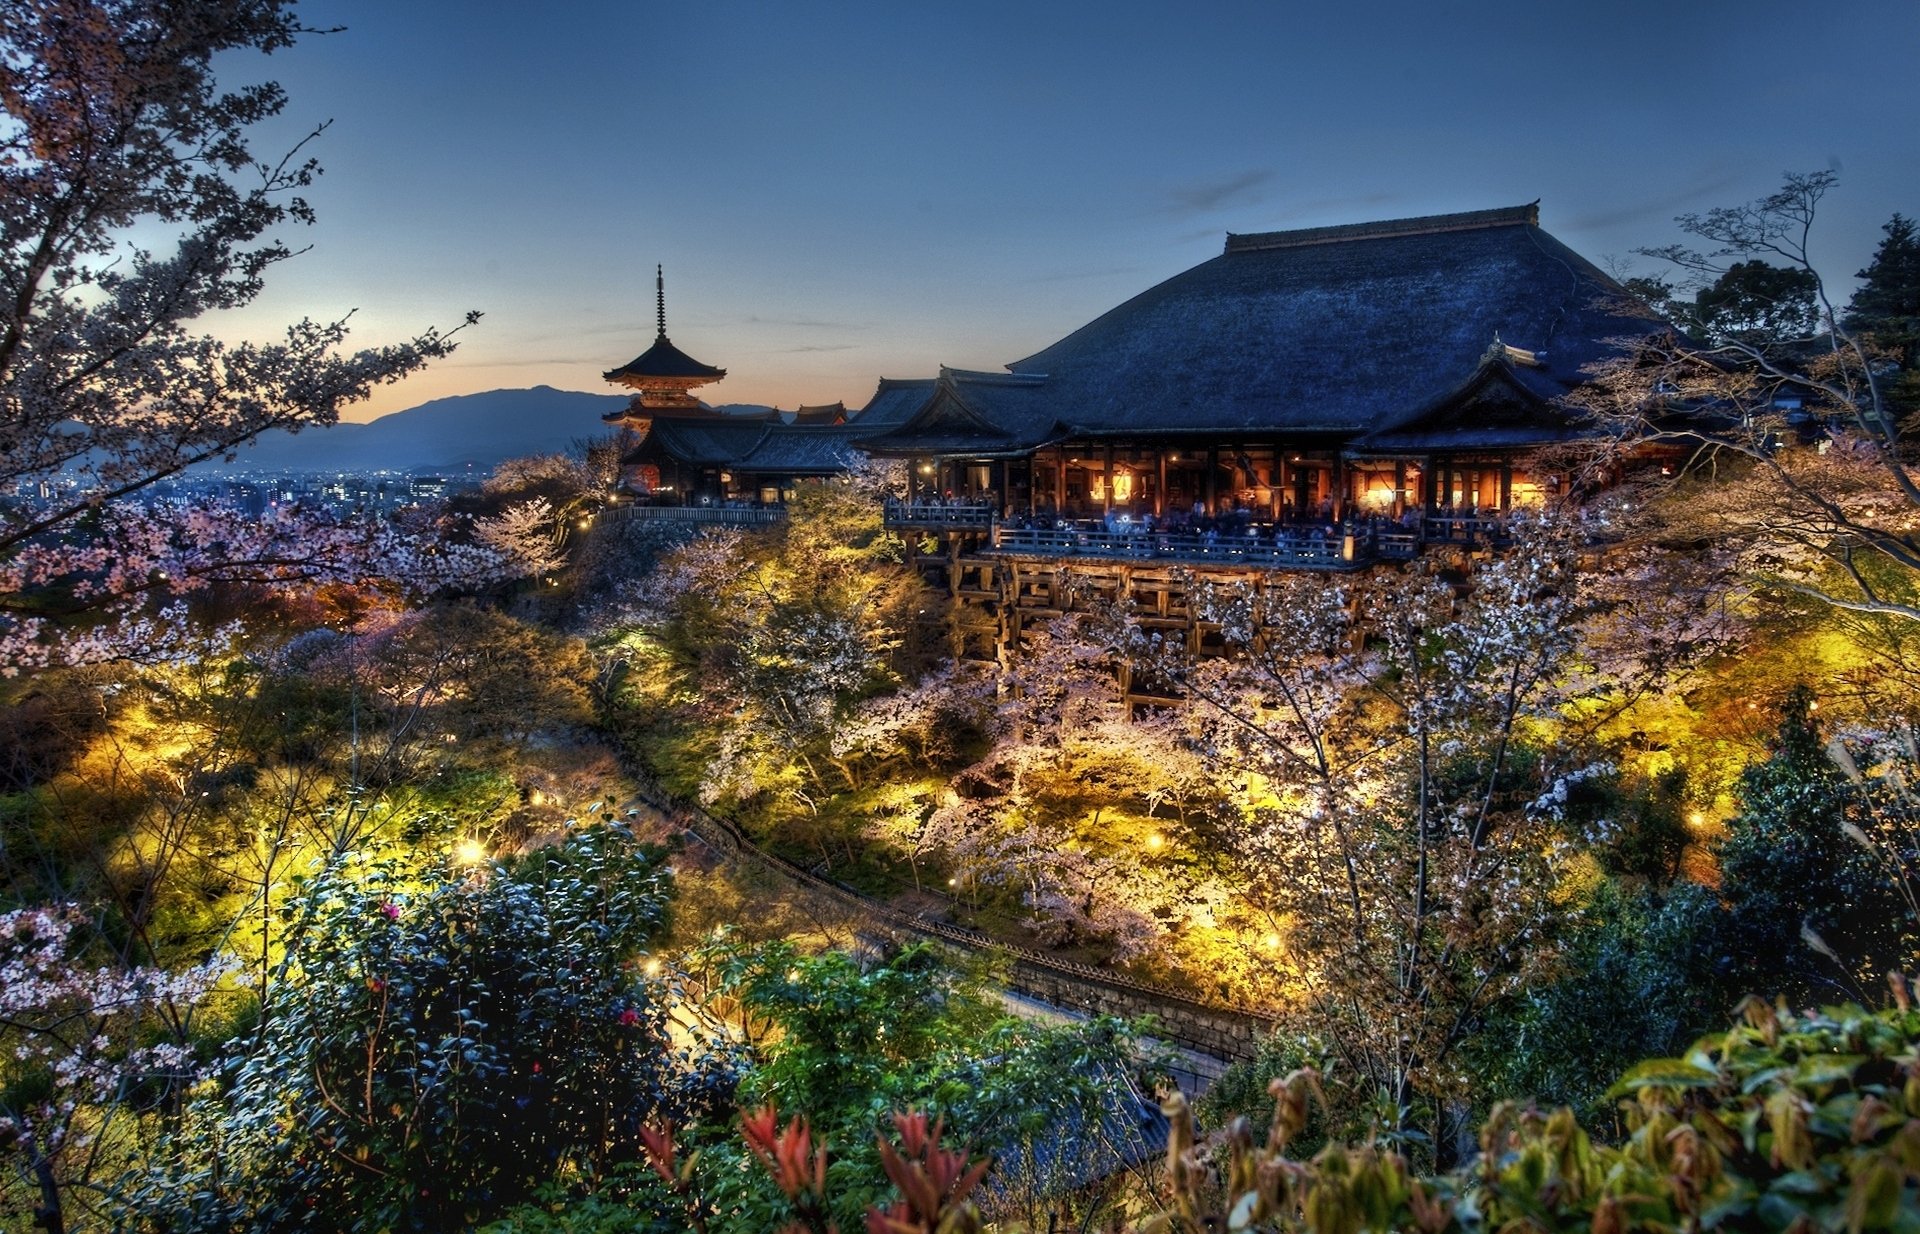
(1423, 225)
(981, 377)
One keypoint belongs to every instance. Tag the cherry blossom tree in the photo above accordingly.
(528, 536)
(119, 586)
(115, 129)
(1397, 824)
(76, 1041)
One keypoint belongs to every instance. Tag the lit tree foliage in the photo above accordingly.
(780, 634)
(527, 535)
(439, 1044)
(1399, 824)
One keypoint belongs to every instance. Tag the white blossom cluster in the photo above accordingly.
(69, 1019)
(127, 573)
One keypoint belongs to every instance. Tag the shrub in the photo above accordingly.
(434, 1053)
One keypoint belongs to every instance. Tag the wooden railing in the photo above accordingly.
(705, 516)
(1289, 548)
(957, 515)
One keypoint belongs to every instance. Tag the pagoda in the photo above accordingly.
(662, 377)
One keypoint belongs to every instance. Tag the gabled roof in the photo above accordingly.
(1493, 409)
(894, 401)
(798, 449)
(819, 413)
(703, 441)
(970, 411)
(1344, 331)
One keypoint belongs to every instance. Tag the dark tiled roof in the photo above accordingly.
(663, 359)
(984, 413)
(749, 445)
(707, 440)
(1343, 330)
(895, 401)
(799, 449)
(820, 413)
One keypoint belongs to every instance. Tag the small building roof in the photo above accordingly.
(819, 413)
(744, 445)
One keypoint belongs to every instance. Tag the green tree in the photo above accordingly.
(846, 1040)
(1886, 308)
(1642, 975)
(1759, 305)
(1887, 305)
(1810, 913)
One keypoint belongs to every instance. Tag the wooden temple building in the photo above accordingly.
(1316, 399)
(1396, 371)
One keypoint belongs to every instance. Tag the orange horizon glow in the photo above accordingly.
(453, 379)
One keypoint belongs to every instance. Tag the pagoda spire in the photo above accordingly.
(663, 376)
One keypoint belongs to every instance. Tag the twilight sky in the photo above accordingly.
(845, 191)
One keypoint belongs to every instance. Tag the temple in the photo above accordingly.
(1316, 398)
(689, 454)
(1406, 370)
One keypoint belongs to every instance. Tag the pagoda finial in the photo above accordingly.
(660, 292)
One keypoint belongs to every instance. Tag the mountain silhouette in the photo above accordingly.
(464, 432)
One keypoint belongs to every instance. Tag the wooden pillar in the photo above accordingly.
(1060, 482)
(1160, 485)
(1213, 480)
(1339, 487)
(1106, 453)
(1399, 487)
(1506, 484)
(1273, 484)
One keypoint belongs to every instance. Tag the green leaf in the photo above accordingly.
(1664, 1073)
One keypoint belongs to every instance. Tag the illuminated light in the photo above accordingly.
(1814, 705)
(1156, 840)
(469, 852)
(953, 882)
(1271, 942)
(1697, 819)
(653, 968)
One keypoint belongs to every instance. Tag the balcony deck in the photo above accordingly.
(1283, 546)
